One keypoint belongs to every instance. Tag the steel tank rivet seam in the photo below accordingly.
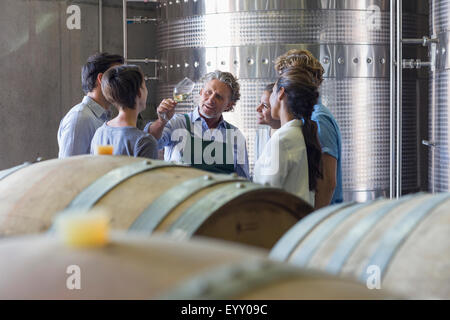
(380, 69)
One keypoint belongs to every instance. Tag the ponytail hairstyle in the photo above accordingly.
(121, 85)
(302, 94)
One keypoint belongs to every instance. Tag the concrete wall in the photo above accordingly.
(41, 62)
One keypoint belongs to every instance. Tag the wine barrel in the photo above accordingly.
(404, 242)
(140, 267)
(147, 196)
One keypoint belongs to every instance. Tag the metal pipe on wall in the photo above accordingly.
(125, 30)
(432, 117)
(399, 100)
(439, 118)
(424, 41)
(397, 109)
(146, 60)
(100, 25)
(125, 37)
(392, 98)
(137, 20)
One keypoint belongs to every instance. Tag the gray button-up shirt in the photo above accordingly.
(78, 127)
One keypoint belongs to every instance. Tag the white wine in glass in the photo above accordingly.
(180, 97)
(181, 92)
(183, 89)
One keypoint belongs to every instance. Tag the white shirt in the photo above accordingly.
(262, 135)
(284, 162)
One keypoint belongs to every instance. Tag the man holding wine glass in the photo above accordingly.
(202, 138)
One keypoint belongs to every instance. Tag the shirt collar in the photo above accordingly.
(97, 109)
(196, 116)
(293, 123)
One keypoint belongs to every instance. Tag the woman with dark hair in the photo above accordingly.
(291, 158)
(124, 87)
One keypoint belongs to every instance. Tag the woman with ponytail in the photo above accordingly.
(291, 158)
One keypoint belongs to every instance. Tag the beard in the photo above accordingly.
(200, 110)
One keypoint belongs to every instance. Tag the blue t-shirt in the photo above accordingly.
(128, 141)
(330, 140)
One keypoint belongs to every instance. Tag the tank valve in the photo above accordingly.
(411, 64)
(430, 144)
(424, 41)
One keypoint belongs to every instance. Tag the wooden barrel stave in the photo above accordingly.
(261, 222)
(137, 267)
(173, 198)
(127, 187)
(262, 279)
(161, 180)
(130, 267)
(27, 193)
(414, 260)
(422, 263)
(188, 203)
(358, 261)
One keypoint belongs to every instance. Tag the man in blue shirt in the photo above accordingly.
(330, 140)
(78, 126)
(202, 138)
(329, 189)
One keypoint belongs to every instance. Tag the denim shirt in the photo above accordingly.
(170, 139)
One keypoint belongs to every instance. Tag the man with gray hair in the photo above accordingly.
(202, 138)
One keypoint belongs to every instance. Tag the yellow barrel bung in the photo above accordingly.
(82, 229)
(106, 149)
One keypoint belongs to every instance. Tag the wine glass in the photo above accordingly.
(181, 92)
(183, 89)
